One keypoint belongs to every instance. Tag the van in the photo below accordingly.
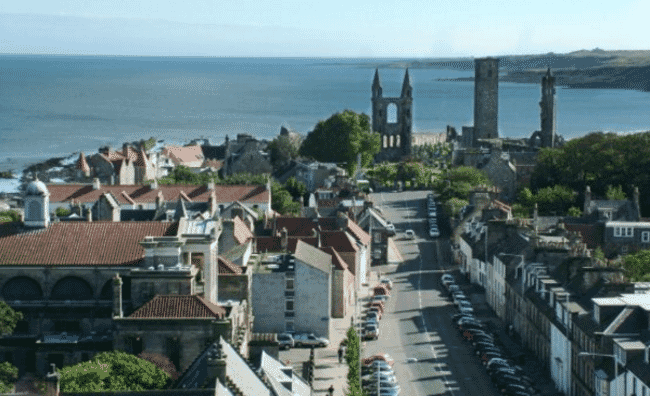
(409, 234)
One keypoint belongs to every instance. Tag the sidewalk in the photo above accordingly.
(328, 369)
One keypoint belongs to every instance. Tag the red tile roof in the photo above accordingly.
(84, 193)
(227, 267)
(242, 233)
(358, 232)
(178, 307)
(337, 260)
(304, 226)
(184, 155)
(339, 240)
(81, 243)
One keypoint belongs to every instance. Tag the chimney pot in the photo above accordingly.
(96, 184)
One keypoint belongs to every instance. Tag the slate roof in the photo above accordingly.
(304, 226)
(274, 244)
(178, 307)
(227, 267)
(130, 194)
(313, 257)
(80, 243)
(214, 152)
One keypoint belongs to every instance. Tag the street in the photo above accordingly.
(430, 356)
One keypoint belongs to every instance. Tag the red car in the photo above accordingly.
(385, 357)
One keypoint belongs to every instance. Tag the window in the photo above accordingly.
(289, 326)
(645, 236)
(377, 236)
(629, 231)
(289, 305)
(289, 284)
(623, 232)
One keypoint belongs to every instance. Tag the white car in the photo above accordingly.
(387, 282)
(409, 234)
(434, 233)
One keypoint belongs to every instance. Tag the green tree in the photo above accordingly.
(637, 266)
(296, 188)
(340, 138)
(113, 371)
(282, 201)
(8, 377)
(9, 215)
(615, 193)
(8, 319)
(353, 360)
(557, 199)
(283, 149)
(384, 174)
(62, 212)
(458, 182)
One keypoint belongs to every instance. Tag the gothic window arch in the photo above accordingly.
(398, 142)
(391, 141)
(71, 288)
(385, 141)
(392, 113)
(22, 288)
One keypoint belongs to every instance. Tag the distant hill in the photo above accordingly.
(579, 69)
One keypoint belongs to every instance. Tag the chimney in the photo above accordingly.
(154, 184)
(159, 200)
(587, 200)
(96, 184)
(89, 215)
(302, 206)
(341, 221)
(211, 185)
(212, 201)
(284, 239)
(647, 354)
(117, 297)
(53, 382)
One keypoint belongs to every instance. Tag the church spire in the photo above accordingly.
(376, 85)
(406, 86)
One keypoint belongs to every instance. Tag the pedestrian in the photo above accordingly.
(341, 351)
(331, 390)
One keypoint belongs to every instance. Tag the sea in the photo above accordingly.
(56, 106)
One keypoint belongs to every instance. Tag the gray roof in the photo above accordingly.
(313, 257)
(282, 378)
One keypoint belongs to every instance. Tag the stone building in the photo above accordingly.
(486, 103)
(127, 167)
(84, 287)
(396, 134)
(546, 136)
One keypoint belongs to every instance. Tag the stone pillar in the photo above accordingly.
(216, 363)
(117, 296)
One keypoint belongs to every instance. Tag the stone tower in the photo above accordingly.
(395, 136)
(486, 99)
(547, 110)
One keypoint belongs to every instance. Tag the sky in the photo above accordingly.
(321, 28)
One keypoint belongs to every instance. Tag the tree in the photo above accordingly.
(615, 193)
(8, 377)
(113, 371)
(458, 182)
(62, 212)
(8, 319)
(283, 149)
(296, 188)
(340, 138)
(574, 211)
(9, 215)
(281, 200)
(637, 266)
(353, 360)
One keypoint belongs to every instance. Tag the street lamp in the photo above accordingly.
(615, 367)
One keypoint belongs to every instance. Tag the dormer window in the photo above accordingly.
(645, 236)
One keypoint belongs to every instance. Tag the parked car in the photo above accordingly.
(390, 227)
(381, 376)
(452, 287)
(380, 297)
(370, 332)
(377, 366)
(285, 341)
(385, 357)
(377, 304)
(381, 289)
(372, 310)
(409, 234)
(310, 340)
(434, 233)
(387, 282)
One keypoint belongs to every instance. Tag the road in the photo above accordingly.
(430, 357)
